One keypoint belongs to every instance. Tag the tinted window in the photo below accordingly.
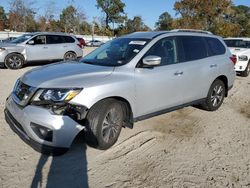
(193, 47)
(68, 39)
(215, 46)
(166, 49)
(237, 43)
(55, 39)
(40, 39)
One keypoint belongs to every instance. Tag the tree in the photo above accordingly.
(68, 18)
(3, 19)
(241, 16)
(113, 9)
(165, 22)
(21, 16)
(136, 24)
(210, 15)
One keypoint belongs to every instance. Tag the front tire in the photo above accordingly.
(215, 96)
(246, 72)
(14, 61)
(104, 123)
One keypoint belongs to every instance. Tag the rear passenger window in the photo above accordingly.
(55, 39)
(193, 47)
(215, 46)
(69, 39)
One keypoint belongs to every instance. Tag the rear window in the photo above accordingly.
(237, 43)
(215, 46)
(194, 47)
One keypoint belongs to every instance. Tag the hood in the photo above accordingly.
(4, 45)
(238, 51)
(66, 75)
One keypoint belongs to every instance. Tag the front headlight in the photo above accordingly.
(55, 95)
(2, 49)
(243, 58)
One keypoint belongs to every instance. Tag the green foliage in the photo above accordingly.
(241, 16)
(3, 19)
(68, 18)
(165, 22)
(213, 15)
(113, 9)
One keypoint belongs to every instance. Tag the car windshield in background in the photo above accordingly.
(237, 43)
(21, 39)
(116, 52)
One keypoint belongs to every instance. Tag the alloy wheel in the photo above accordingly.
(217, 95)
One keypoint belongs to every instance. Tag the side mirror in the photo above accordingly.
(31, 42)
(151, 61)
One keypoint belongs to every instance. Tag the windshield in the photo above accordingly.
(21, 39)
(237, 43)
(116, 52)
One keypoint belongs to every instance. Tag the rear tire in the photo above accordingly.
(70, 56)
(14, 61)
(104, 123)
(246, 72)
(215, 97)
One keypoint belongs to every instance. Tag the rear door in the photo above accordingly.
(199, 69)
(58, 46)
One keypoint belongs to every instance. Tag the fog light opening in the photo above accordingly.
(43, 133)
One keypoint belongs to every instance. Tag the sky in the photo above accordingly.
(149, 10)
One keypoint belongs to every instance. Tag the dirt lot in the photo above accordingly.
(186, 148)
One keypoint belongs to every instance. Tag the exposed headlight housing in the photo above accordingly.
(2, 49)
(243, 58)
(55, 95)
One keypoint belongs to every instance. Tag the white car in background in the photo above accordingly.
(240, 48)
(43, 46)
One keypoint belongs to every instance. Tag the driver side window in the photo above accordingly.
(41, 39)
(166, 49)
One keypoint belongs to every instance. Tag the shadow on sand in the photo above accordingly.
(68, 170)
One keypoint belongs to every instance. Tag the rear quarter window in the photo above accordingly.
(215, 46)
(69, 39)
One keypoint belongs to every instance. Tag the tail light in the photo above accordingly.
(233, 59)
(79, 45)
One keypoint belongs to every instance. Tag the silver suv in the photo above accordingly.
(39, 47)
(128, 79)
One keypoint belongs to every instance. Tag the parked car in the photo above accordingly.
(126, 80)
(94, 43)
(240, 47)
(39, 47)
(8, 39)
(82, 42)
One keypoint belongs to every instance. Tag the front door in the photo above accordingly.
(160, 87)
(38, 49)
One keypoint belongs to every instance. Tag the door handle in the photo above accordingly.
(178, 73)
(213, 65)
(45, 47)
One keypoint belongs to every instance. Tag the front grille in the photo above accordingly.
(22, 93)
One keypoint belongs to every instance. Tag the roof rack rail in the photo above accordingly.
(192, 30)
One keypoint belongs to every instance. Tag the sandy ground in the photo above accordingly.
(185, 148)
